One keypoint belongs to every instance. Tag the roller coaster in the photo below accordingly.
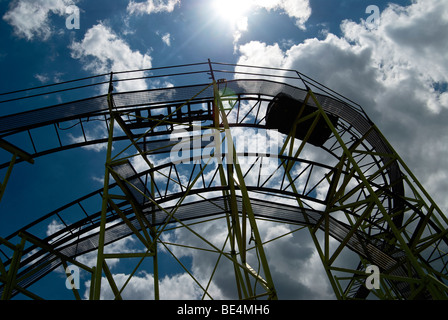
(330, 173)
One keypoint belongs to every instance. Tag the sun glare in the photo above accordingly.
(232, 11)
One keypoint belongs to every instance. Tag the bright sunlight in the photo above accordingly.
(232, 11)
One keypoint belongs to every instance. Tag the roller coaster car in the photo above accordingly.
(284, 109)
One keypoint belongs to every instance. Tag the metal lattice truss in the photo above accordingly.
(352, 192)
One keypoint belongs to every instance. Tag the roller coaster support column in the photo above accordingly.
(101, 263)
(16, 152)
(233, 166)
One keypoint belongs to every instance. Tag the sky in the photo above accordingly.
(395, 66)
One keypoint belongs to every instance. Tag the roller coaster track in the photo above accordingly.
(356, 190)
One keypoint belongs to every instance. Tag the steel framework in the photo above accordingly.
(349, 189)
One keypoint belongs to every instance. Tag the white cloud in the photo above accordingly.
(103, 51)
(237, 12)
(295, 266)
(299, 10)
(30, 18)
(166, 38)
(259, 54)
(99, 147)
(43, 78)
(152, 6)
(141, 287)
(126, 245)
(54, 227)
(92, 130)
(407, 51)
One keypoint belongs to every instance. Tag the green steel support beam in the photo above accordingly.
(75, 290)
(7, 175)
(16, 152)
(219, 109)
(155, 263)
(323, 254)
(10, 279)
(366, 183)
(101, 240)
(111, 280)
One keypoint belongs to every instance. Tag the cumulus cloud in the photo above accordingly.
(152, 6)
(94, 132)
(103, 51)
(45, 77)
(259, 54)
(405, 50)
(141, 287)
(54, 227)
(294, 264)
(166, 38)
(237, 13)
(31, 18)
(299, 10)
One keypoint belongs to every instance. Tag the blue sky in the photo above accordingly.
(397, 71)
(196, 31)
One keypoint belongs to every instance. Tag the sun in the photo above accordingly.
(232, 11)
